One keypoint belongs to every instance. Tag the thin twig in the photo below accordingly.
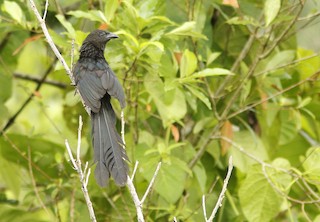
(38, 80)
(137, 202)
(79, 138)
(45, 10)
(151, 183)
(34, 184)
(221, 196)
(28, 100)
(134, 170)
(23, 155)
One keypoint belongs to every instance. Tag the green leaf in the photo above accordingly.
(170, 104)
(93, 15)
(213, 56)
(243, 20)
(252, 144)
(42, 153)
(259, 201)
(311, 165)
(204, 123)
(10, 175)
(5, 92)
(145, 45)
(290, 125)
(188, 63)
(199, 95)
(166, 182)
(271, 10)
(14, 10)
(280, 58)
(110, 8)
(129, 36)
(187, 29)
(280, 178)
(211, 72)
(170, 172)
(304, 102)
(201, 176)
(67, 25)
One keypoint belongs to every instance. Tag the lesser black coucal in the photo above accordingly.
(96, 84)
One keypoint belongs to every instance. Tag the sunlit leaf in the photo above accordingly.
(93, 15)
(200, 95)
(110, 8)
(187, 29)
(188, 63)
(259, 200)
(271, 10)
(67, 25)
(14, 10)
(211, 72)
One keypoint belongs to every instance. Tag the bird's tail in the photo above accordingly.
(109, 152)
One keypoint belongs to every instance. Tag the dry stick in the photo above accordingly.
(221, 196)
(83, 175)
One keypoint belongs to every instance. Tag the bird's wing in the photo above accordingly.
(111, 83)
(89, 83)
(94, 78)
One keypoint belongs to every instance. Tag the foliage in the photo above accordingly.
(204, 80)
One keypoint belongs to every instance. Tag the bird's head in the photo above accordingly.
(98, 39)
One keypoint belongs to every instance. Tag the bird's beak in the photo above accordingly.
(112, 36)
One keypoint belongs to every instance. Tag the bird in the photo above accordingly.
(97, 84)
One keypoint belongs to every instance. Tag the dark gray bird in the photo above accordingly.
(96, 84)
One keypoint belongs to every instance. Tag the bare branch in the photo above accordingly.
(49, 39)
(134, 170)
(79, 139)
(221, 196)
(151, 183)
(45, 10)
(136, 200)
(55, 49)
(38, 80)
(83, 174)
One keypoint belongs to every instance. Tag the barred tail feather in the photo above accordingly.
(108, 146)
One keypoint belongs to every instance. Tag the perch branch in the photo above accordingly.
(83, 174)
(54, 48)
